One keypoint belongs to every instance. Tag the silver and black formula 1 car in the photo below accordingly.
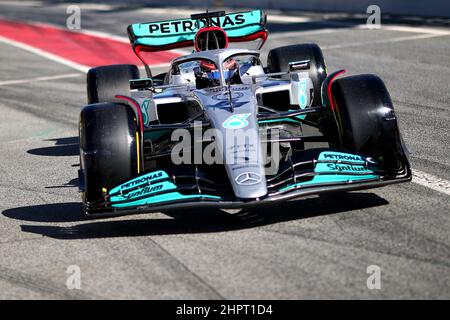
(274, 133)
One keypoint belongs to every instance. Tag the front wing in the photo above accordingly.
(313, 172)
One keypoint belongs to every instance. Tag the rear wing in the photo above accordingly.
(174, 34)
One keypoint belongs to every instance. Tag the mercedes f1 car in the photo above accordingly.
(309, 132)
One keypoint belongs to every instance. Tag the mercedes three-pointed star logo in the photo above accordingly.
(248, 179)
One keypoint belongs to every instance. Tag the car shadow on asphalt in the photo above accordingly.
(189, 221)
(63, 147)
(53, 213)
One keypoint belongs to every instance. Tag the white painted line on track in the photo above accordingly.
(421, 31)
(431, 182)
(49, 78)
(364, 26)
(287, 19)
(45, 54)
(90, 6)
(398, 28)
(21, 3)
(408, 29)
(368, 43)
(292, 34)
(170, 11)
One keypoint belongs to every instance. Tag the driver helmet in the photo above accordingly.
(213, 73)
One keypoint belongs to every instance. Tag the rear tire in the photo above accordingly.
(108, 148)
(104, 83)
(279, 58)
(366, 121)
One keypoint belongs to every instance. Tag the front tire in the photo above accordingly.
(109, 148)
(365, 121)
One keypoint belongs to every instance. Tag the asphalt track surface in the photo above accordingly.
(318, 247)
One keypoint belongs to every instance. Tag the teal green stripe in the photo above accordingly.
(173, 196)
(330, 179)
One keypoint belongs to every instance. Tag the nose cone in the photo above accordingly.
(250, 185)
(238, 138)
(242, 154)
